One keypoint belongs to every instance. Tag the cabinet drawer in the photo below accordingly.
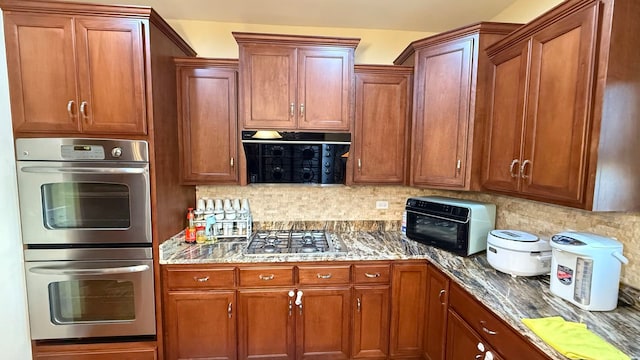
(368, 274)
(267, 276)
(318, 275)
(504, 339)
(197, 279)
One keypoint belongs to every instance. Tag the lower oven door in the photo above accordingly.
(85, 299)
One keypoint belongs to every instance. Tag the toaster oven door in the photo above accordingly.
(441, 232)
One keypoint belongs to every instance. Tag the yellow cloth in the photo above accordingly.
(573, 340)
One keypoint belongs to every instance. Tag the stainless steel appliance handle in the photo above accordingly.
(80, 170)
(101, 271)
(438, 217)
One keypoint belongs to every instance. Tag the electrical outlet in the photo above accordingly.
(381, 204)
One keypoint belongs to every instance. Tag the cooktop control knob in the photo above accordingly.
(116, 152)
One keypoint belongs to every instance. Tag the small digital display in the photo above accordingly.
(82, 148)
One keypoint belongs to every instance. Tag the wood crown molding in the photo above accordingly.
(384, 69)
(477, 28)
(294, 40)
(205, 62)
(84, 9)
(557, 13)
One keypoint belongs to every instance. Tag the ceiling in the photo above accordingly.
(409, 15)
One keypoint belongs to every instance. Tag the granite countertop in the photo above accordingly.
(511, 298)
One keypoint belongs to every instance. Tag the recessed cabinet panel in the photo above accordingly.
(43, 93)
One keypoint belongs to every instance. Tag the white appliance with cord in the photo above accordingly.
(518, 253)
(585, 269)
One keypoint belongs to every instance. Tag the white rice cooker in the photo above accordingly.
(518, 253)
(585, 269)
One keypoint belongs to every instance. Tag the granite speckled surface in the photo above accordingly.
(511, 298)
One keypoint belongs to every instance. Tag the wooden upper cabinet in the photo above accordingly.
(296, 82)
(111, 78)
(207, 119)
(383, 103)
(90, 80)
(449, 105)
(562, 129)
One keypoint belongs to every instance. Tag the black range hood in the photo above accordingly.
(296, 157)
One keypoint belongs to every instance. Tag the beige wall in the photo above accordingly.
(523, 11)
(214, 39)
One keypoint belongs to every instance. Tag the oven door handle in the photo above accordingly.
(101, 271)
(438, 217)
(81, 170)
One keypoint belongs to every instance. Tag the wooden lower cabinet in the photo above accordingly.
(408, 287)
(110, 351)
(266, 324)
(464, 343)
(201, 325)
(437, 302)
(322, 323)
(370, 339)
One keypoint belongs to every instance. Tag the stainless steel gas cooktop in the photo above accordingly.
(299, 242)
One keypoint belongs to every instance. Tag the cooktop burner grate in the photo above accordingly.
(273, 242)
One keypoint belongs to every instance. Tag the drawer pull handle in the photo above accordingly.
(325, 276)
(442, 292)
(201, 279)
(513, 164)
(490, 332)
(359, 304)
(267, 277)
(372, 276)
(83, 110)
(229, 310)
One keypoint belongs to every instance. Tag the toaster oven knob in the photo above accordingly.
(116, 152)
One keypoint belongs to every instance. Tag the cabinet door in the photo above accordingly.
(436, 314)
(371, 322)
(208, 125)
(111, 75)
(408, 288)
(266, 324)
(322, 325)
(501, 164)
(42, 73)
(557, 122)
(324, 89)
(463, 342)
(441, 118)
(382, 110)
(268, 87)
(201, 325)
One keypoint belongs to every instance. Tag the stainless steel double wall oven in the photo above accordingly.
(86, 225)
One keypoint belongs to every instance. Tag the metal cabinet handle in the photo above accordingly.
(266, 277)
(442, 292)
(324, 276)
(83, 108)
(359, 165)
(231, 162)
(512, 166)
(201, 279)
(229, 311)
(70, 109)
(522, 168)
(490, 332)
(301, 110)
(292, 109)
(372, 276)
(458, 165)
(299, 300)
(359, 304)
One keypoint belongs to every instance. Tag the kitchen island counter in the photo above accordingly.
(510, 298)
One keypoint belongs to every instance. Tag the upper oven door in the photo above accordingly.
(84, 202)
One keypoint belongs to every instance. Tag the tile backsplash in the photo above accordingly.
(273, 203)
